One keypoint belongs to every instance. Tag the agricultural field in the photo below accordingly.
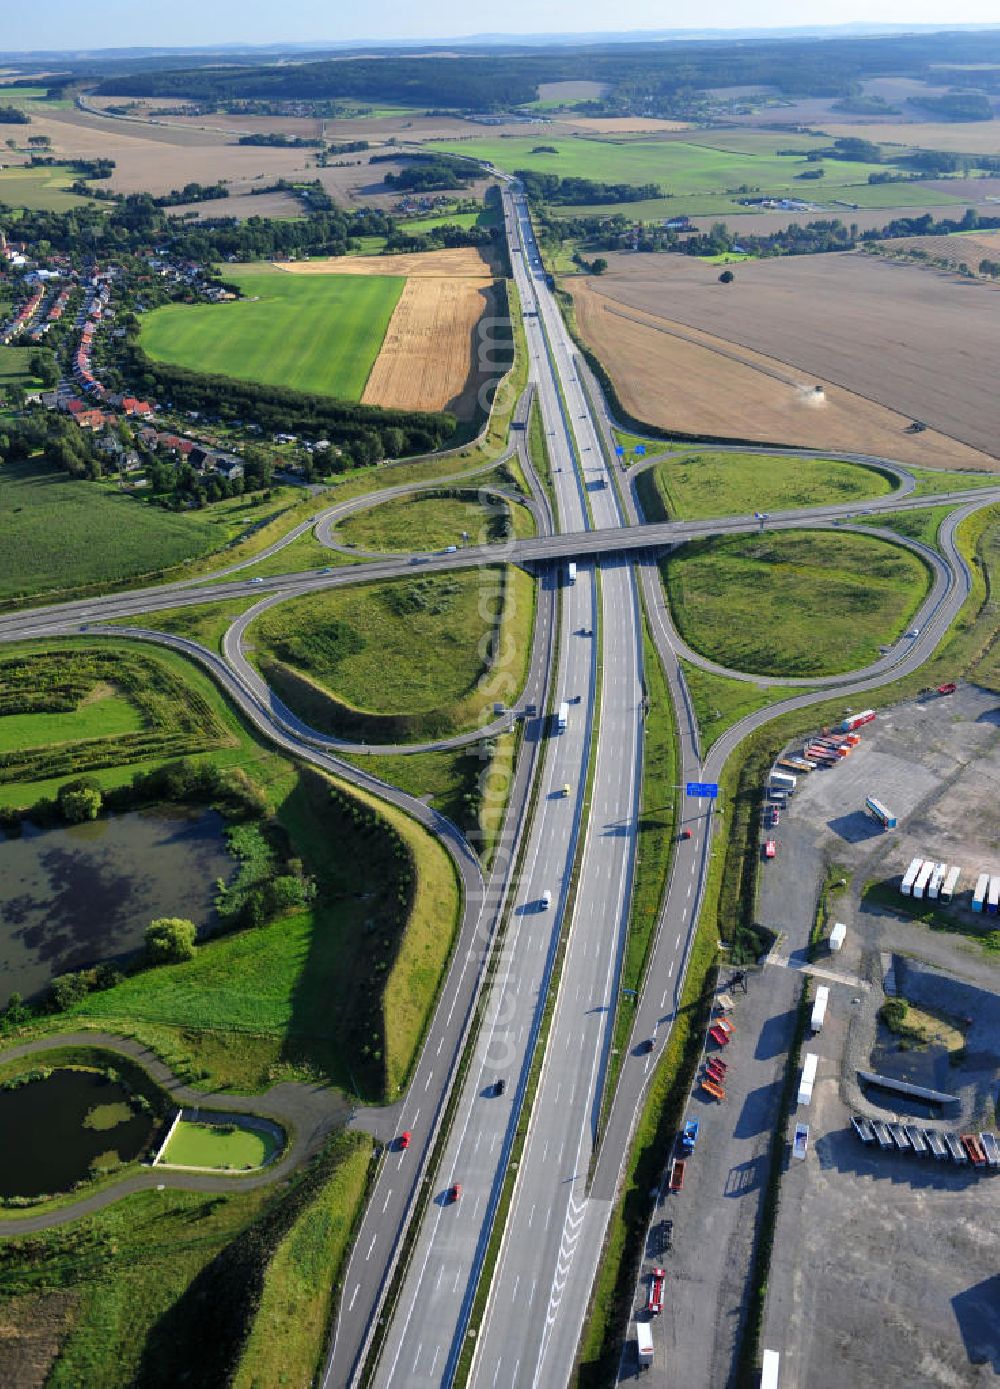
(398, 661)
(744, 360)
(425, 359)
(691, 486)
(463, 262)
(44, 189)
(952, 252)
(319, 335)
(101, 536)
(700, 176)
(795, 602)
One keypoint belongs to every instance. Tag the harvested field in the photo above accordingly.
(242, 205)
(889, 343)
(425, 357)
(865, 218)
(963, 137)
(463, 262)
(954, 250)
(624, 125)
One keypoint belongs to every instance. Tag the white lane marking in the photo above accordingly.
(386, 1201)
(663, 1000)
(428, 1080)
(513, 1296)
(416, 1358)
(437, 1281)
(670, 974)
(496, 1372)
(354, 1295)
(678, 940)
(370, 1248)
(437, 1352)
(531, 1215)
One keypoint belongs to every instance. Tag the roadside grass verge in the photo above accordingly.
(793, 602)
(206, 623)
(694, 486)
(404, 661)
(931, 480)
(539, 450)
(287, 1340)
(720, 700)
(922, 524)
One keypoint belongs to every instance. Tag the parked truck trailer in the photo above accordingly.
(950, 883)
(910, 876)
(854, 721)
(979, 895)
(881, 813)
(923, 878)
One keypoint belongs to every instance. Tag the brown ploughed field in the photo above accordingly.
(889, 344)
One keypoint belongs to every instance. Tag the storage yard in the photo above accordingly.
(896, 1124)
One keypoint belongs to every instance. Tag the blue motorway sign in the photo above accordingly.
(706, 790)
(619, 450)
(640, 450)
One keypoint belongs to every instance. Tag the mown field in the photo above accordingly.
(58, 534)
(14, 369)
(793, 602)
(693, 486)
(399, 661)
(320, 333)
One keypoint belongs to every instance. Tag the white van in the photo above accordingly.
(546, 900)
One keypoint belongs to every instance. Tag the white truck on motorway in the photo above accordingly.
(571, 572)
(562, 716)
(644, 1343)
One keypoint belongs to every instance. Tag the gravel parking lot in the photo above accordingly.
(884, 1267)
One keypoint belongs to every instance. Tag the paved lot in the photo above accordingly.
(885, 1268)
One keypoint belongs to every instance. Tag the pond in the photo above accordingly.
(56, 1129)
(79, 895)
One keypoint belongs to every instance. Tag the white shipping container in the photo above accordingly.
(937, 878)
(923, 878)
(808, 1077)
(819, 1007)
(950, 883)
(838, 935)
(993, 896)
(979, 896)
(910, 876)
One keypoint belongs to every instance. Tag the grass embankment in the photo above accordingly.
(206, 623)
(931, 480)
(288, 1338)
(728, 914)
(316, 333)
(793, 602)
(463, 516)
(698, 486)
(102, 538)
(921, 524)
(166, 1280)
(401, 661)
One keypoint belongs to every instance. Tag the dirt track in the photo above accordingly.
(889, 342)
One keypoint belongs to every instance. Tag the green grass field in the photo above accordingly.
(103, 714)
(719, 701)
(14, 368)
(197, 1144)
(317, 333)
(794, 602)
(43, 188)
(700, 177)
(58, 534)
(416, 226)
(696, 486)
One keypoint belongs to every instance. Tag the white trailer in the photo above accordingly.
(937, 878)
(979, 896)
(910, 876)
(950, 883)
(819, 1008)
(571, 572)
(562, 717)
(993, 896)
(923, 878)
(808, 1077)
(644, 1342)
(838, 935)
(770, 1366)
(784, 780)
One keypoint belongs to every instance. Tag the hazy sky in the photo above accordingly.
(52, 24)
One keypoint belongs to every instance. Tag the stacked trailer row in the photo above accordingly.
(910, 876)
(923, 878)
(937, 880)
(979, 895)
(993, 896)
(950, 884)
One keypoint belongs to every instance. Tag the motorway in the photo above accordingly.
(556, 1222)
